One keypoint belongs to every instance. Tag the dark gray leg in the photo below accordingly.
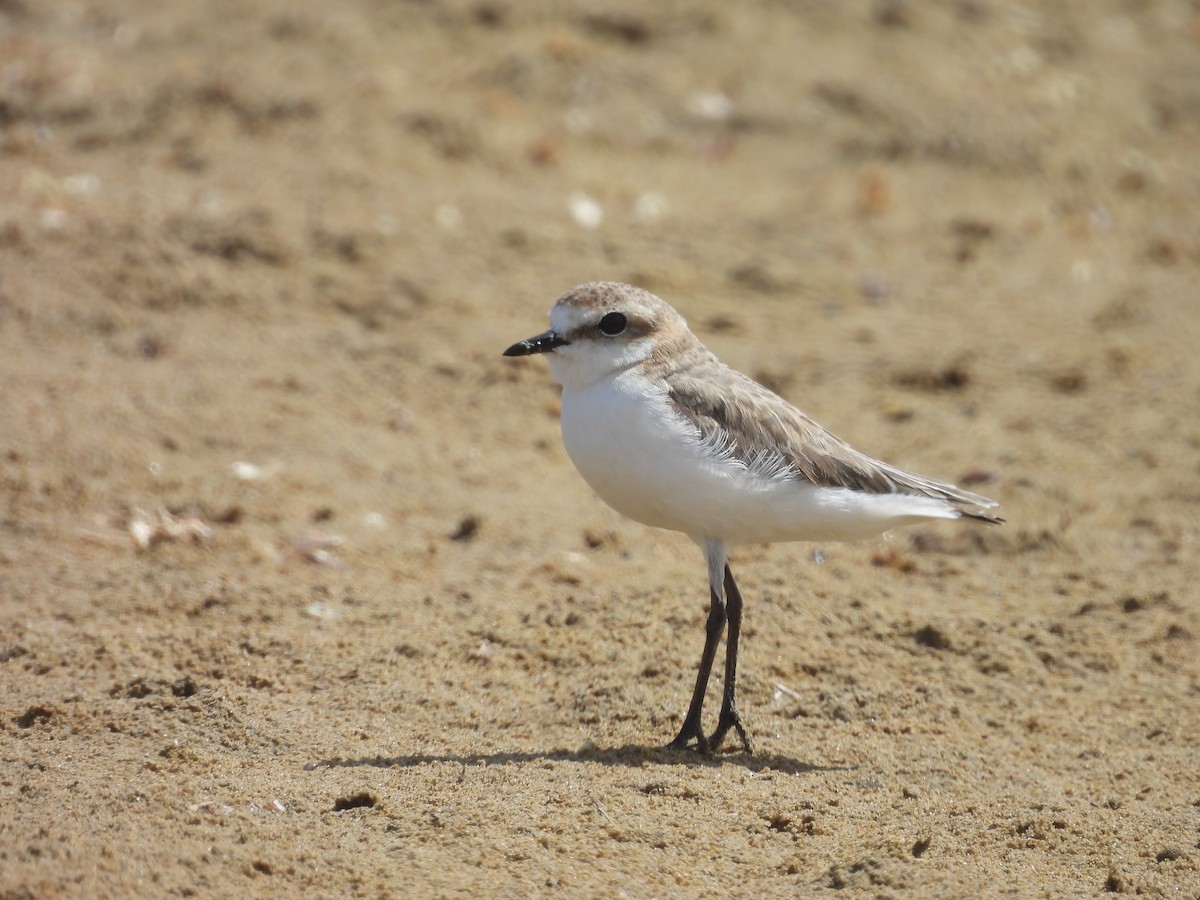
(692, 728)
(729, 711)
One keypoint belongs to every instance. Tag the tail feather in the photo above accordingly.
(979, 514)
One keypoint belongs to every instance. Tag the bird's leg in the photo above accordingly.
(715, 556)
(692, 726)
(729, 712)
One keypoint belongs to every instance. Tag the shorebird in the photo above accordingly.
(668, 435)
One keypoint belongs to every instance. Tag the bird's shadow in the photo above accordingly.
(631, 755)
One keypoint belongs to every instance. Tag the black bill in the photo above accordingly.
(539, 343)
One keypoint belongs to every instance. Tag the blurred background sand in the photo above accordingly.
(299, 592)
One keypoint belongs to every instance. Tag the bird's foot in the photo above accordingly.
(691, 731)
(730, 718)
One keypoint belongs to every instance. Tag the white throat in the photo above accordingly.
(590, 358)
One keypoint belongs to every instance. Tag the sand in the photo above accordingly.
(299, 593)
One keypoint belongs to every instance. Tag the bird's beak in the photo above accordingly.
(539, 343)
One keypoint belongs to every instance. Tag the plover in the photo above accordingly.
(670, 436)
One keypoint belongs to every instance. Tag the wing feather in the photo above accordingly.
(738, 418)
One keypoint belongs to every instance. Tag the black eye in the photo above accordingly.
(613, 323)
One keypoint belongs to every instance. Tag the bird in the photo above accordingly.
(669, 436)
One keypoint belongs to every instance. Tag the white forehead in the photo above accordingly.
(587, 357)
(564, 319)
(586, 304)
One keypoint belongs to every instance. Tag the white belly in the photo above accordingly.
(647, 463)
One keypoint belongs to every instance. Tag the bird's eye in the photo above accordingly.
(613, 323)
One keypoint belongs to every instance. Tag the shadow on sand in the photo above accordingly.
(632, 755)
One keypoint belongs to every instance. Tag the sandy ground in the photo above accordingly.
(299, 593)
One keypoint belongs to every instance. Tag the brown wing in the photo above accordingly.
(739, 417)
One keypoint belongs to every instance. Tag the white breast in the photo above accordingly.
(648, 463)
